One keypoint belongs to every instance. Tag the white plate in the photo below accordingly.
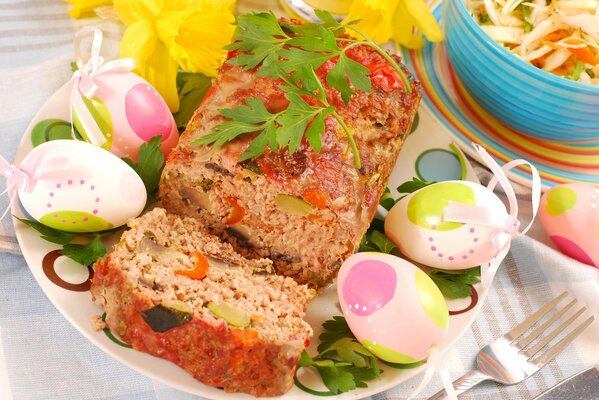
(427, 153)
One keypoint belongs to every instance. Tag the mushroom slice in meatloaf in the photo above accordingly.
(306, 211)
(172, 290)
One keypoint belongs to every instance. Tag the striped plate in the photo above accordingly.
(467, 122)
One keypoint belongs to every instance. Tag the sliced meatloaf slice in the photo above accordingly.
(307, 211)
(239, 327)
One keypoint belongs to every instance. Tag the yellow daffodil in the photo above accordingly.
(164, 34)
(86, 8)
(405, 21)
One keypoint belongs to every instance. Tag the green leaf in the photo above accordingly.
(85, 254)
(50, 234)
(150, 162)
(413, 185)
(317, 128)
(387, 200)
(354, 71)
(334, 329)
(382, 242)
(305, 359)
(327, 19)
(192, 89)
(337, 380)
(294, 59)
(454, 284)
(351, 351)
(294, 121)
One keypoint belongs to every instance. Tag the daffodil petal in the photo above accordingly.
(85, 8)
(130, 11)
(375, 18)
(177, 5)
(160, 70)
(425, 21)
(139, 41)
(196, 41)
(404, 29)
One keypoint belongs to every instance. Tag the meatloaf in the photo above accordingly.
(306, 211)
(172, 290)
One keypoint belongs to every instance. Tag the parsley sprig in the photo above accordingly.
(342, 362)
(292, 53)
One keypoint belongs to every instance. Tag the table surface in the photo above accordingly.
(43, 357)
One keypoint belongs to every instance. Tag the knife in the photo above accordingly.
(582, 386)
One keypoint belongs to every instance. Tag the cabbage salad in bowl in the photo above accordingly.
(558, 36)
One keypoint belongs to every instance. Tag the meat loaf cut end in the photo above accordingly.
(306, 211)
(239, 328)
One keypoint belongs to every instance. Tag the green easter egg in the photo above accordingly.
(75, 221)
(51, 129)
(387, 354)
(426, 206)
(432, 301)
(560, 200)
(101, 115)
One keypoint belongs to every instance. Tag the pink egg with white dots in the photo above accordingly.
(392, 307)
(75, 186)
(129, 112)
(417, 226)
(570, 215)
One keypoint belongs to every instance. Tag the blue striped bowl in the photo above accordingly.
(525, 98)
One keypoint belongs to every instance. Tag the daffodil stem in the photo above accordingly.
(386, 56)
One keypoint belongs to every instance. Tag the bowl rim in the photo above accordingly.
(516, 61)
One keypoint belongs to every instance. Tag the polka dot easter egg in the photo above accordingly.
(570, 216)
(77, 187)
(393, 308)
(128, 112)
(417, 225)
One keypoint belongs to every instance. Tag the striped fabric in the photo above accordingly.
(42, 356)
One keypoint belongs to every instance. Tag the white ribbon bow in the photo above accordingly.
(508, 226)
(84, 83)
(15, 180)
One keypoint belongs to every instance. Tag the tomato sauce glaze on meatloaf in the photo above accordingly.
(306, 211)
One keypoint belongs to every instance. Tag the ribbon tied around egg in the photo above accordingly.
(85, 85)
(15, 180)
(506, 226)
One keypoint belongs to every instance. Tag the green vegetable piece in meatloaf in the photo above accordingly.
(166, 316)
(293, 205)
(233, 316)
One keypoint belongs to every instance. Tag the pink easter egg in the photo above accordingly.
(393, 308)
(570, 216)
(134, 112)
(147, 113)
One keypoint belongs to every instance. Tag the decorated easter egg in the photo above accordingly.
(570, 215)
(393, 308)
(417, 225)
(75, 186)
(128, 112)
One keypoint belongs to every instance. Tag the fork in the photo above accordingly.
(510, 359)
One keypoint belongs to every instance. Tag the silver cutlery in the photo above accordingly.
(515, 356)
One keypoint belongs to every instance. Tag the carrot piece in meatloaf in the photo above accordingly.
(239, 327)
(306, 211)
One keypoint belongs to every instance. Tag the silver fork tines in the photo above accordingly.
(513, 357)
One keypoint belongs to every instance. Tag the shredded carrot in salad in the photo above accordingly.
(559, 36)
